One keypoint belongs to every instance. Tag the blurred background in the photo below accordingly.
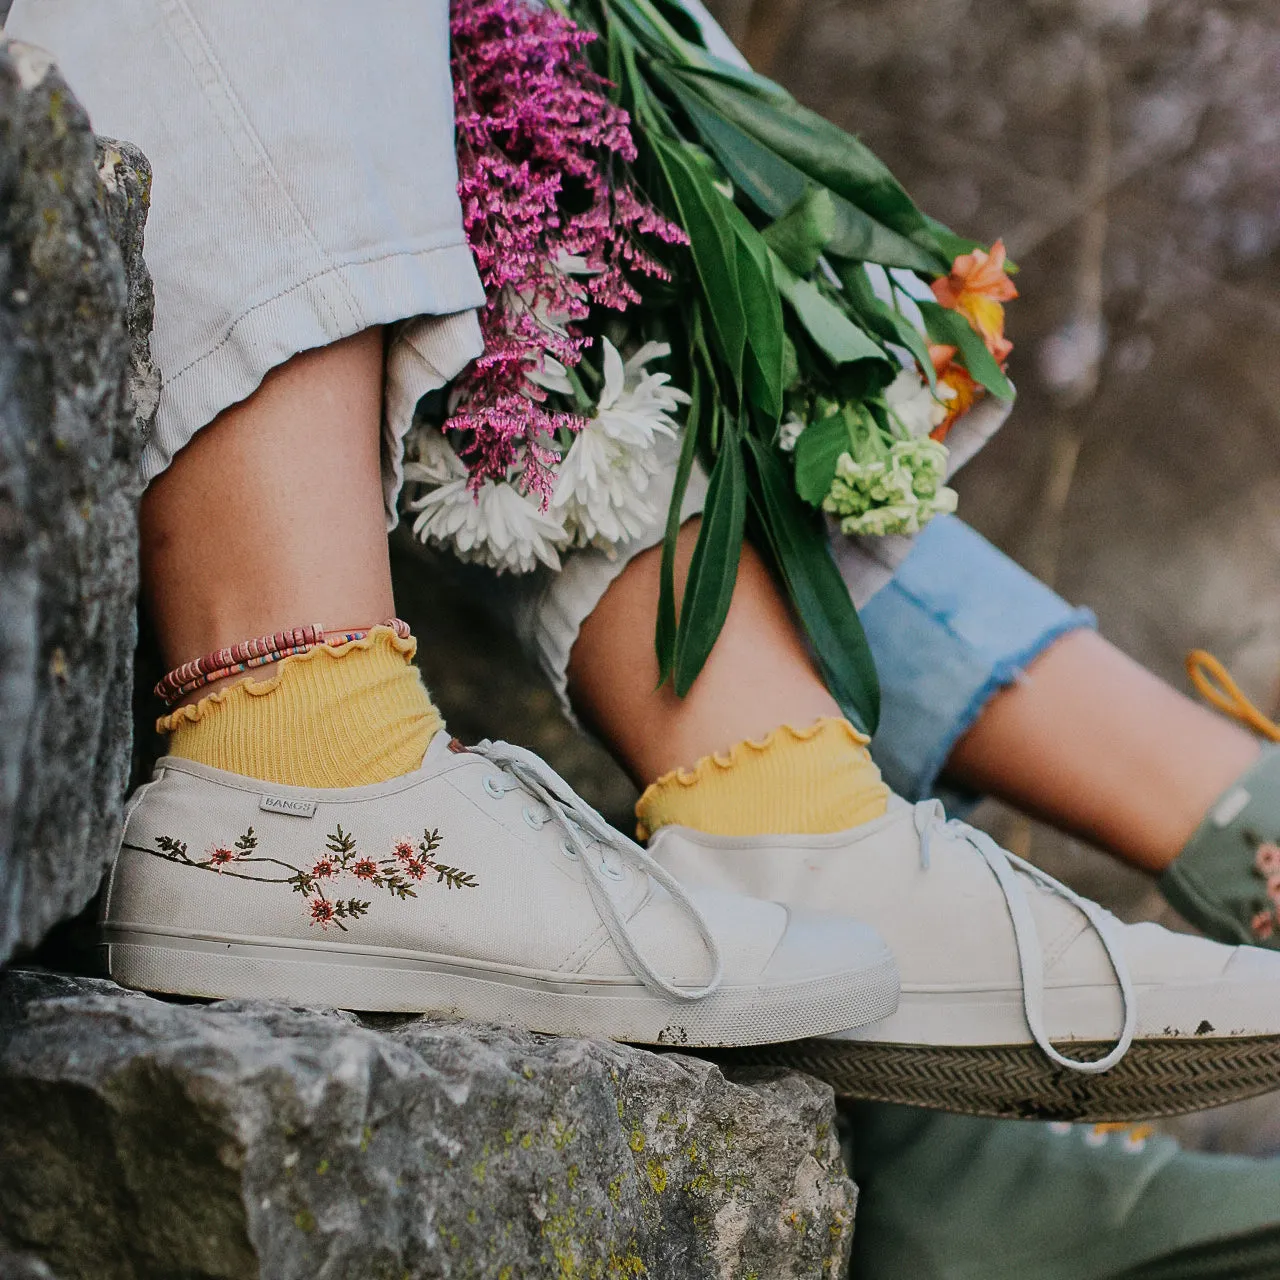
(1128, 151)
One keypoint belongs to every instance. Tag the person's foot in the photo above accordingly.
(959, 1198)
(1226, 881)
(479, 885)
(999, 963)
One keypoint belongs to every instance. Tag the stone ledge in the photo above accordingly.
(148, 1138)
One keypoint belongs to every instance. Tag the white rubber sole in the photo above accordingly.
(395, 982)
(949, 1017)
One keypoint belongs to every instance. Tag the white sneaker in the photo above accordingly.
(479, 885)
(999, 962)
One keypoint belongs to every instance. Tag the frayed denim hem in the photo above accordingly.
(959, 622)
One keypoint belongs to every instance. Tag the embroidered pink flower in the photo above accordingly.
(1273, 888)
(1267, 859)
(552, 228)
(364, 869)
(322, 912)
(325, 869)
(1263, 924)
(404, 849)
(417, 868)
(220, 856)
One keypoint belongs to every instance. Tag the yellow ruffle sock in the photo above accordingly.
(795, 782)
(333, 717)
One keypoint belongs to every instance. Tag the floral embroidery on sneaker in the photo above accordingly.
(409, 863)
(1266, 866)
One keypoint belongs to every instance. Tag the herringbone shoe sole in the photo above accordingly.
(1155, 1078)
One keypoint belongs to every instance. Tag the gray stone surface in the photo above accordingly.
(140, 1138)
(76, 395)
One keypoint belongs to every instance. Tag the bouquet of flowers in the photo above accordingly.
(632, 198)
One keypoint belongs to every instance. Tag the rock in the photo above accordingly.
(76, 395)
(140, 1138)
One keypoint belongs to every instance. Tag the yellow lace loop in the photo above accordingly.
(1214, 684)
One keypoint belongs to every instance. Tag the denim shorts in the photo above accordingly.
(958, 622)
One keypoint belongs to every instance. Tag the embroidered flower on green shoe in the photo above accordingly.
(1266, 866)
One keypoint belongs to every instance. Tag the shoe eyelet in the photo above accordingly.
(609, 873)
(569, 851)
(532, 821)
(491, 785)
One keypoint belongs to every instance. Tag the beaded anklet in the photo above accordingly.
(261, 652)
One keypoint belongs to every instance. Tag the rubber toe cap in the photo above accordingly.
(819, 944)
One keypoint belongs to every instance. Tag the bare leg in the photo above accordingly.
(758, 677)
(1095, 744)
(1090, 741)
(272, 516)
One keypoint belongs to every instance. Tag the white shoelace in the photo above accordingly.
(525, 771)
(929, 818)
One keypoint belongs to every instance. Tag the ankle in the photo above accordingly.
(794, 781)
(341, 716)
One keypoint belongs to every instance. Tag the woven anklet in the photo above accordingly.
(260, 652)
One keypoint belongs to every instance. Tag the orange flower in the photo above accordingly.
(953, 378)
(976, 287)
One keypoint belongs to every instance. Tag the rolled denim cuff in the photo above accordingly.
(958, 622)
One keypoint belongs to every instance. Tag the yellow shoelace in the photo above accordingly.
(1214, 684)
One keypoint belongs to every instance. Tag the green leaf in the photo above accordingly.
(714, 251)
(797, 536)
(665, 633)
(953, 245)
(775, 186)
(804, 231)
(884, 320)
(818, 449)
(823, 152)
(663, 41)
(829, 327)
(762, 311)
(713, 570)
(952, 329)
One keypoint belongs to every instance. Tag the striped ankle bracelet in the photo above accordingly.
(259, 652)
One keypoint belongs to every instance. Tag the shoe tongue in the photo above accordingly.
(441, 751)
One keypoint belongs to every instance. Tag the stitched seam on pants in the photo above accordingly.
(334, 269)
(223, 99)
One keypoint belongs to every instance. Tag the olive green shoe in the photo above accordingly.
(1226, 881)
(944, 1197)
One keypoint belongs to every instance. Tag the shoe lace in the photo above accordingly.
(1214, 684)
(583, 827)
(931, 818)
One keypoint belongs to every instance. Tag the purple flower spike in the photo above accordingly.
(536, 133)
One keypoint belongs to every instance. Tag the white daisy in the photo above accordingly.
(913, 404)
(602, 493)
(498, 525)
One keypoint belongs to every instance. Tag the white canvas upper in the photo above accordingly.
(945, 898)
(508, 900)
